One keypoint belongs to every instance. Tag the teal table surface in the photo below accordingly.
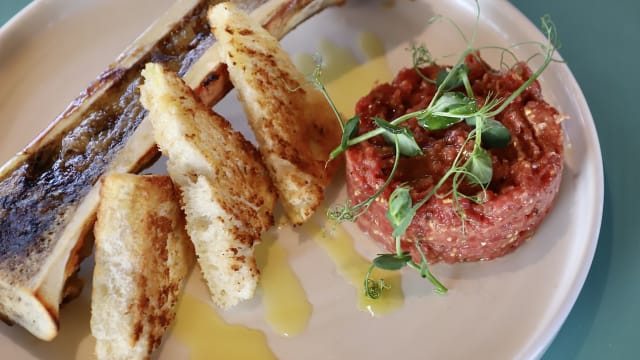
(600, 42)
(600, 45)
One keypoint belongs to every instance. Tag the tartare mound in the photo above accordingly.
(526, 173)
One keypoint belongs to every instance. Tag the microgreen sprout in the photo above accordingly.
(422, 57)
(346, 212)
(373, 289)
(453, 102)
(315, 79)
(400, 213)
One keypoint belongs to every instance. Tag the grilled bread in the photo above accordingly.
(227, 195)
(294, 125)
(142, 254)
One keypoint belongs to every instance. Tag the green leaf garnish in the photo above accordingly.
(350, 129)
(451, 108)
(479, 167)
(456, 79)
(494, 134)
(434, 122)
(454, 103)
(401, 211)
(392, 261)
(400, 134)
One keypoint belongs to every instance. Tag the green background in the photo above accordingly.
(601, 44)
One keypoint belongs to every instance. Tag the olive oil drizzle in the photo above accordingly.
(346, 78)
(207, 335)
(287, 309)
(339, 246)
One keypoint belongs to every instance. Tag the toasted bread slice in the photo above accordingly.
(142, 254)
(294, 125)
(227, 195)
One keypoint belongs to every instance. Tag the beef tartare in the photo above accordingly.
(524, 184)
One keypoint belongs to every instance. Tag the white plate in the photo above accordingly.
(510, 308)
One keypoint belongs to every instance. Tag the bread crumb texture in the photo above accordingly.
(227, 195)
(294, 125)
(142, 254)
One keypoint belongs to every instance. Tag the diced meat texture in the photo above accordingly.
(526, 173)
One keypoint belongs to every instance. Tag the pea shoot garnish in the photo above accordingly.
(453, 102)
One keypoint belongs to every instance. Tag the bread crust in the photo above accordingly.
(142, 255)
(226, 192)
(293, 124)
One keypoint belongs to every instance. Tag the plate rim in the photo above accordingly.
(16, 25)
(581, 276)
